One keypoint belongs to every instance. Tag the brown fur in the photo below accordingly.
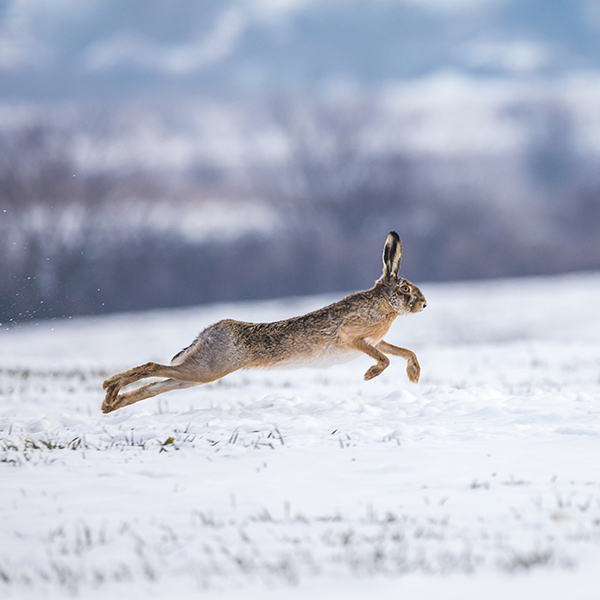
(355, 324)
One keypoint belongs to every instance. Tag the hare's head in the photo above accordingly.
(403, 296)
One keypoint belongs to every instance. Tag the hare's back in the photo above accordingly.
(283, 343)
(306, 340)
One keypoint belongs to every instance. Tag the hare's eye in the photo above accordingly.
(405, 289)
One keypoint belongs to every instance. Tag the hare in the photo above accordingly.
(355, 324)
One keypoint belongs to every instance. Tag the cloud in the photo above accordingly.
(274, 8)
(518, 56)
(19, 46)
(131, 48)
(450, 5)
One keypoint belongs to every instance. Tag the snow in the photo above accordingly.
(480, 481)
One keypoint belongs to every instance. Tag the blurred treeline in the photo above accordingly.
(139, 206)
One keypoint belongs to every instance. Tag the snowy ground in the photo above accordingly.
(481, 481)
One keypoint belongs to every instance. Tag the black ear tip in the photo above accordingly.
(394, 235)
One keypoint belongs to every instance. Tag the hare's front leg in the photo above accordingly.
(382, 360)
(413, 368)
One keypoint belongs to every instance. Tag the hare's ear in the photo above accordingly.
(392, 254)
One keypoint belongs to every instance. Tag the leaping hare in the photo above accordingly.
(353, 325)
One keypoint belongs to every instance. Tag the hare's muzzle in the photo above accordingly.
(418, 305)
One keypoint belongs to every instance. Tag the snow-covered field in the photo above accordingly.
(481, 481)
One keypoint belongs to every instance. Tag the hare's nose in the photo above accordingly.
(424, 304)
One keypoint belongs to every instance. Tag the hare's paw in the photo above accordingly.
(110, 399)
(373, 372)
(111, 382)
(107, 408)
(413, 370)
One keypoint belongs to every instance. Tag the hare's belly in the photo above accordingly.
(326, 357)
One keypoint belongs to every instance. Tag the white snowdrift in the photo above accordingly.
(480, 481)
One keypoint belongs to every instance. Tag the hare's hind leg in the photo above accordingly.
(146, 391)
(413, 368)
(114, 384)
(180, 376)
(214, 354)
